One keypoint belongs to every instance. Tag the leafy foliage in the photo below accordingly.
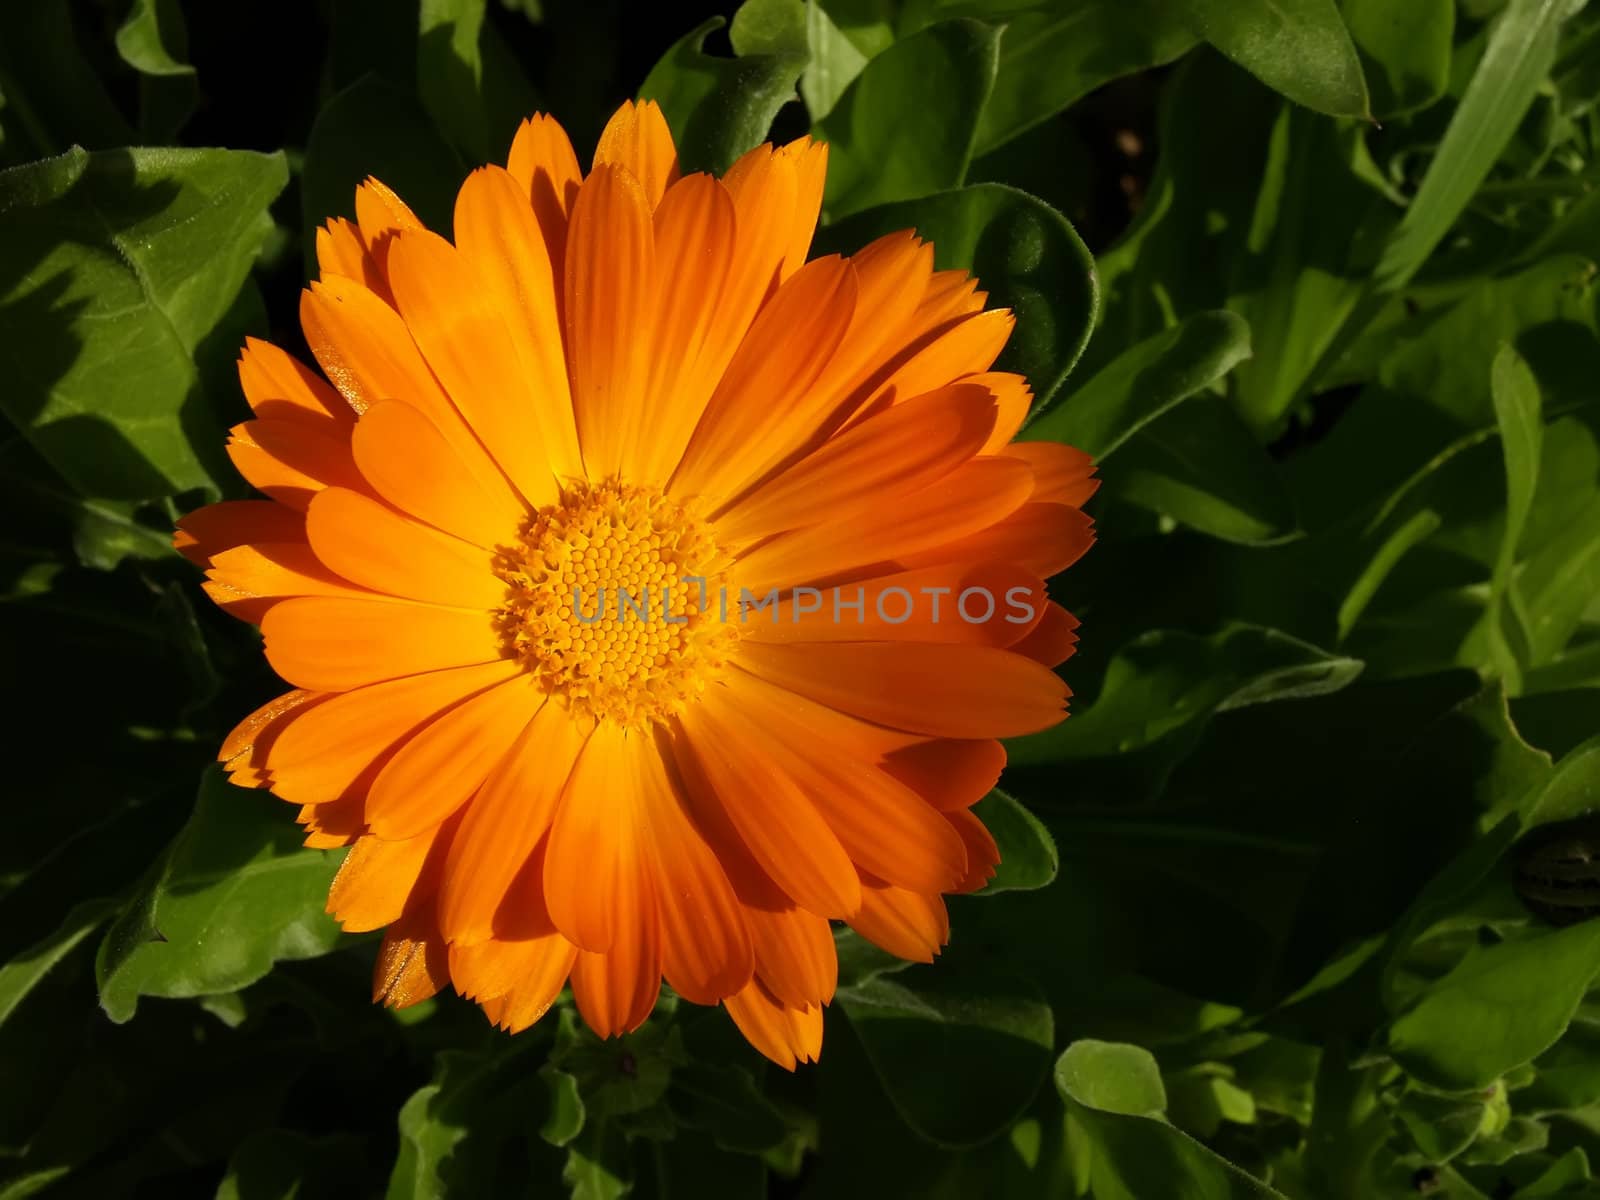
(1301, 900)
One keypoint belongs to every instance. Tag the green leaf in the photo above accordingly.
(597, 1164)
(769, 27)
(468, 80)
(374, 128)
(1028, 855)
(724, 1101)
(1134, 1157)
(960, 1053)
(1519, 55)
(236, 893)
(154, 42)
(1143, 382)
(1517, 412)
(1200, 465)
(1298, 47)
(19, 976)
(835, 62)
(1406, 536)
(1499, 1008)
(717, 108)
(120, 268)
(619, 1076)
(906, 125)
(1112, 1077)
(53, 98)
(277, 1164)
(1405, 49)
(1024, 253)
(1052, 57)
(1161, 689)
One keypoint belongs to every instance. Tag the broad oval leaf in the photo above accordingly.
(1028, 855)
(906, 125)
(236, 893)
(717, 108)
(1112, 1077)
(119, 267)
(1298, 47)
(960, 1052)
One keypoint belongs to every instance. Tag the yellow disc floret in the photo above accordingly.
(614, 603)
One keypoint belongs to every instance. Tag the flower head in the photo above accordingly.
(651, 596)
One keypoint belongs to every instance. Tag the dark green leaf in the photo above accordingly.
(1023, 252)
(723, 1101)
(1143, 382)
(1028, 857)
(1405, 49)
(116, 269)
(154, 41)
(1298, 47)
(905, 127)
(373, 128)
(236, 893)
(960, 1053)
(597, 1164)
(1051, 57)
(468, 80)
(53, 99)
(717, 108)
(1521, 50)
(835, 61)
(19, 976)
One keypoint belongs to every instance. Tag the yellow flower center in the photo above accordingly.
(615, 603)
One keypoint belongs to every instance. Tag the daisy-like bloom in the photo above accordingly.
(503, 556)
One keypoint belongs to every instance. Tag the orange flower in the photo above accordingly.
(608, 572)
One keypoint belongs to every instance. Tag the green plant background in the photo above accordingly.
(1258, 929)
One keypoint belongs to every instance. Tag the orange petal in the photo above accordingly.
(1014, 397)
(209, 531)
(948, 773)
(501, 243)
(616, 991)
(1053, 640)
(367, 351)
(795, 954)
(546, 169)
(326, 749)
(337, 823)
(280, 386)
(905, 448)
(638, 139)
(885, 827)
(764, 405)
(412, 962)
(531, 996)
(785, 1035)
(610, 287)
(1044, 538)
(433, 774)
(334, 644)
(966, 347)
(504, 823)
(292, 460)
(243, 753)
(948, 690)
(983, 855)
(971, 498)
(458, 325)
(992, 604)
(810, 160)
(380, 214)
(765, 187)
(695, 238)
(705, 946)
(493, 968)
(404, 458)
(247, 580)
(740, 787)
(1062, 474)
(377, 879)
(371, 544)
(596, 876)
(908, 924)
(341, 251)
